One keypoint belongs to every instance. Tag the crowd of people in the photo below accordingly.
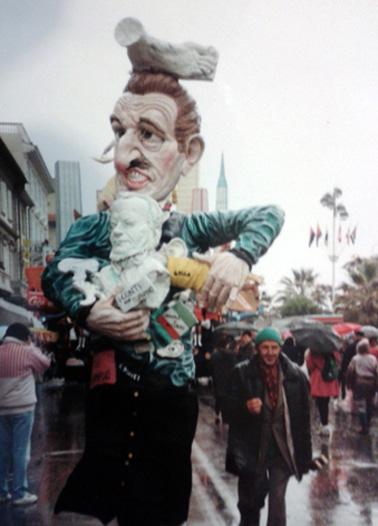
(262, 385)
(348, 376)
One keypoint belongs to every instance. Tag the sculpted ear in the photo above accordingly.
(193, 152)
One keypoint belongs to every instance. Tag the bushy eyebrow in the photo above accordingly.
(151, 124)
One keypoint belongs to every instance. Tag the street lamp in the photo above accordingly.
(330, 200)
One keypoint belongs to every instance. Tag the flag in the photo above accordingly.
(340, 236)
(353, 235)
(326, 238)
(318, 234)
(312, 236)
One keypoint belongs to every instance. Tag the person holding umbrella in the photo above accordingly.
(323, 371)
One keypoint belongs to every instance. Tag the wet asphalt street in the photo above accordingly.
(344, 494)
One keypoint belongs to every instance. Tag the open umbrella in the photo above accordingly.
(290, 322)
(319, 338)
(342, 329)
(369, 331)
(311, 334)
(234, 328)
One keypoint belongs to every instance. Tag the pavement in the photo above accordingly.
(345, 493)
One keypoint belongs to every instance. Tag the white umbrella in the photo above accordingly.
(369, 331)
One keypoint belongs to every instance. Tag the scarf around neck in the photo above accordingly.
(270, 378)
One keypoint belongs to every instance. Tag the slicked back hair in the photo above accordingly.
(188, 121)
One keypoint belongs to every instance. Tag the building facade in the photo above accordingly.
(25, 184)
(68, 196)
(184, 190)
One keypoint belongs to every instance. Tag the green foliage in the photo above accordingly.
(358, 298)
(298, 305)
(301, 294)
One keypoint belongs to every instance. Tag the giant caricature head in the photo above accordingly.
(156, 127)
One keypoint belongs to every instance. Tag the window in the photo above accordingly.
(3, 199)
(10, 206)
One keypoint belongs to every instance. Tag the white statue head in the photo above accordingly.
(136, 222)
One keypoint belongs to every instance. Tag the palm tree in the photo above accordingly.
(358, 299)
(300, 284)
(302, 294)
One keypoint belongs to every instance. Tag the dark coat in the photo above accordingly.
(245, 352)
(244, 439)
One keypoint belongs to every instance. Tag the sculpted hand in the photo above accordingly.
(105, 319)
(226, 276)
(254, 406)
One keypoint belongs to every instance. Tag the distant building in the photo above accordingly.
(221, 202)
(51, 206)
(184, 190)
(25, 186)
(68, 196)
(200, 200)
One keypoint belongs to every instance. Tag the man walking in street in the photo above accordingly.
(19, 362)
(269, 438)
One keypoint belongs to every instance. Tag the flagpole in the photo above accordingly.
(330, 201)
(332, 257)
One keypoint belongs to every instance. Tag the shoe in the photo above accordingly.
(28, 498)
(5, 498)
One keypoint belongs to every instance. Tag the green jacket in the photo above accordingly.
(253, 230)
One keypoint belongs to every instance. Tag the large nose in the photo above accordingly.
(128, 148)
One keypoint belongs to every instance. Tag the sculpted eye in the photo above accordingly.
(118, 129)
(145, 134)
(120, 132)
(149, 138)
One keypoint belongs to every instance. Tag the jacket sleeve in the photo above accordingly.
(238, 394)
(253, 230)
(39, 362)
(87, 238)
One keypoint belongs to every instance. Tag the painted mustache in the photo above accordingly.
(140, 163)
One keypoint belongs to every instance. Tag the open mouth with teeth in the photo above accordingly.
(133, 179)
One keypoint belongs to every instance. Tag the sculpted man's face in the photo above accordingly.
(269, 352)
(131, 230)
(147, 159)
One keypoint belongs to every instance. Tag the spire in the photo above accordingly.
(222, 183)
(222, 192)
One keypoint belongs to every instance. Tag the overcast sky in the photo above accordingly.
(293, 104)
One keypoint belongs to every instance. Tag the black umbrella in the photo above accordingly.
(311, 334)
(319, 338)
(233, 328)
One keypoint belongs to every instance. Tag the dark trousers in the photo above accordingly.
(136, 465)
(322, 403)
(252, 491)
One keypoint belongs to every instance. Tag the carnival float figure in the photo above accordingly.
(141, 409)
